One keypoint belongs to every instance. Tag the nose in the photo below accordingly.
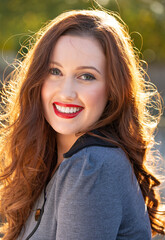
(68, 90)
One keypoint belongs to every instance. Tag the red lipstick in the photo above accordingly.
(64, 114)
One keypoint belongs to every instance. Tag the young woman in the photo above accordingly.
(76, 136)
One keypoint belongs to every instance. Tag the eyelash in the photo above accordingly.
(51, 71)
(88, 75)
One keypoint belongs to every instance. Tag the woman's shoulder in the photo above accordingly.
(92, 161)
(109, 157)
(96, 183)
(89, 154)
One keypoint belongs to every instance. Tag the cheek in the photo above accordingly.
(44, 92)
(97, 98)
(45, 98)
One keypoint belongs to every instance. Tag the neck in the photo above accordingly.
(64, 143)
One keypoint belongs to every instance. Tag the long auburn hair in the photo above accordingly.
(27, 140)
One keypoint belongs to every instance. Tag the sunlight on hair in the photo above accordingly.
(129, 118)
(103, 2)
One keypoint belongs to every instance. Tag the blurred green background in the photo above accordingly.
(20, 19)
(145, 19)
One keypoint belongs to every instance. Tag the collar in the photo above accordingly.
(87, 140)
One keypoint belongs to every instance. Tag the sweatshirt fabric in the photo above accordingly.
(93, 195)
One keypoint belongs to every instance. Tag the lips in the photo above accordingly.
(66, 110)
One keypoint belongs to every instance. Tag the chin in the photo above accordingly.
(65, 132)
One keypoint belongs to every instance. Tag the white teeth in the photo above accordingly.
(67, 109)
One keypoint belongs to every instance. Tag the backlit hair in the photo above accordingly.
(28, 142)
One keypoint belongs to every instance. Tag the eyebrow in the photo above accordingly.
(78, 68)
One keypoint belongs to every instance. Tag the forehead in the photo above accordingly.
(80, 49)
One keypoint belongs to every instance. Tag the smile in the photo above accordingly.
(66, 110)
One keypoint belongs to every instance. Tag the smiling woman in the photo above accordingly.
(78, 134)
(75, 82)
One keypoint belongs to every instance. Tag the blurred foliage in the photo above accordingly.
(145, 18)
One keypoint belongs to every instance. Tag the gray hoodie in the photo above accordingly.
(93, 195)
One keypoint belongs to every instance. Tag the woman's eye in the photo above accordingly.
(55, 71)
(87, 77)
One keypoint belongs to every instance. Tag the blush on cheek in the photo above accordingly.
(98, 95)
(43, 93)
(97, 100)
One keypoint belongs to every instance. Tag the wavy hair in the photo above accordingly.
(28, 142)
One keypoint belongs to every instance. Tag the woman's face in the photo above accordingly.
(74, 93)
